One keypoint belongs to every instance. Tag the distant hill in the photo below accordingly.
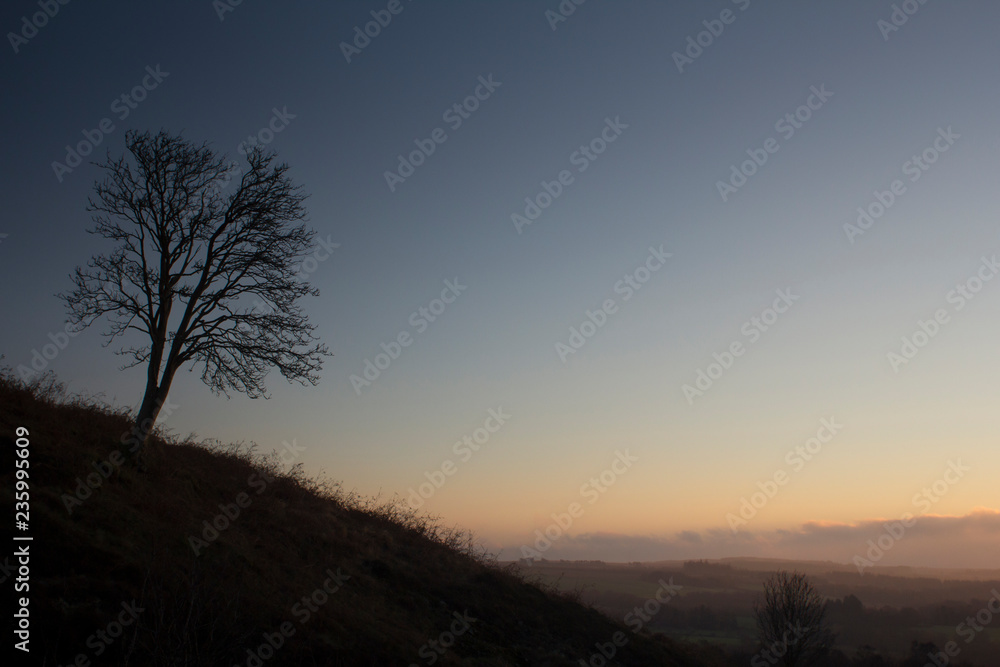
(826, 566)
(221, 556)
(898, 613)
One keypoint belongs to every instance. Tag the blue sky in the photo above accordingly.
(888, 96)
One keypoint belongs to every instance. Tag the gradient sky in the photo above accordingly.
(889, 95)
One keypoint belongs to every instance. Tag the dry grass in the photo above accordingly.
(130, 540)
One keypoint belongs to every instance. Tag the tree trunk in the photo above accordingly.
(149, 410)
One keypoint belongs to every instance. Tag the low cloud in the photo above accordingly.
(934, 540)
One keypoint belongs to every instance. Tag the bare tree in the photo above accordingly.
(200, 277)
(791, 623)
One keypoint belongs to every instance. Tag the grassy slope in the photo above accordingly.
(130, 541)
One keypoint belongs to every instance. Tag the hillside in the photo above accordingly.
(127, 568)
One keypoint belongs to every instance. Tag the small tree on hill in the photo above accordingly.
(202, 278)
(791, 623)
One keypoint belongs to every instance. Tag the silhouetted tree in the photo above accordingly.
(791, 623)
(201, 277)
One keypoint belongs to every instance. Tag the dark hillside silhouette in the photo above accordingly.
(220, 554)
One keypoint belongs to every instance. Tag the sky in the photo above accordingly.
(676, 279)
